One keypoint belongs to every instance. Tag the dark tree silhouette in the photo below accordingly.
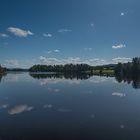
(129, 72)
(61, 68)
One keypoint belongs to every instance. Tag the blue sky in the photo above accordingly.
(68, 31)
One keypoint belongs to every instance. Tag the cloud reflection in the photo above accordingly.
(20, 109)
(118, 94)
(11, 78)
(99, 79)
(44, 82)
(4, 106)
(122, 126)
(53, 90)
(48, 106)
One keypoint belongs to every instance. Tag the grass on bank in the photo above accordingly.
(103, 71)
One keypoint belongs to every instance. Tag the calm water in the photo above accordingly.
(36, 107)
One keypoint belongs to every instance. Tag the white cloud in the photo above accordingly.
(122, 13)
(78, 60)
(49, 61)
(57, 51)
(47, 35)
(11, 63)
(118, 46)
(19, 32)
(53, 51)
(20, 109)
(64, 30)
(3, 35)
(121, 60)
(73, 60)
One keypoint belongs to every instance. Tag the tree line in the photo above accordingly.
(2, 70)
(61, 68)
(129, 69)
(129, 72)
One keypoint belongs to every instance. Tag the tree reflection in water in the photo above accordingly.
(71, 76)
(134, 80)
(131, 79)
(1, 76)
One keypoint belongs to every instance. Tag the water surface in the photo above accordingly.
(57, 107)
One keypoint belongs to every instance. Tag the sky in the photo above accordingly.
(95, 32)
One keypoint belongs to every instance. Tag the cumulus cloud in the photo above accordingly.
(11, 63)
(118, 46)
(64, 30)
(97, 61)
(73, 60)
(20, 109)
(4, 35)
(76, 60)
(49, 61)
(121, 60)
(47, 35)
(19, 32)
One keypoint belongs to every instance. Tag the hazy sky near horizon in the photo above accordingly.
(68, 31)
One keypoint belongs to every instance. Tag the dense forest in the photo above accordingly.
(2, 70)
(128, 69)
(129, 72)
(123, 72)
(61, 68)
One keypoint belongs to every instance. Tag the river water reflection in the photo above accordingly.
(68, 107)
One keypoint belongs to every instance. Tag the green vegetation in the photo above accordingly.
(78, 68)
(128, 69)
(2, 70)
(129, 72)
(104, 72)
(62, 68)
